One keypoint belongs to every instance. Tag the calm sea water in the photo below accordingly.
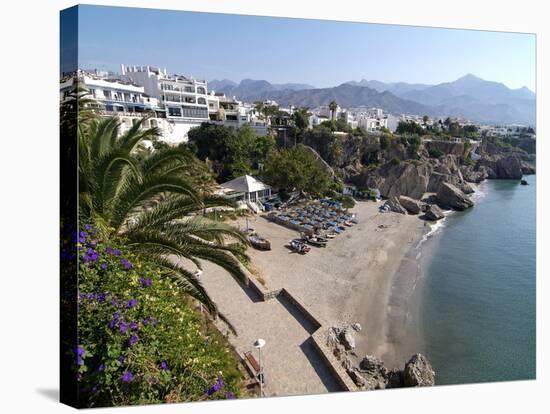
(478, 297)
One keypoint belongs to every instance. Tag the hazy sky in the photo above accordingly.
(320, 53)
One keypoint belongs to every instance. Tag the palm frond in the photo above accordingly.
(134, 193)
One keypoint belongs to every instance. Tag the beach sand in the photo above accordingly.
(367, 274)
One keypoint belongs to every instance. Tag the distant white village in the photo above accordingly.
(176, 103)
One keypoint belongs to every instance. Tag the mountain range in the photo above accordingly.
(251, 86)
(469, 97)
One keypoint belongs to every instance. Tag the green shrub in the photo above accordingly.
(395, 161)
(384, 142)
(435, 153)
(346, 200)
(139, 340)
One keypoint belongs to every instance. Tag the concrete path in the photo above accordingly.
(291, 364)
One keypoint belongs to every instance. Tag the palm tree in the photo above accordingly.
(333, 106)
(150, 203)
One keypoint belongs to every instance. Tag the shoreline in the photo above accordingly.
(353, 280)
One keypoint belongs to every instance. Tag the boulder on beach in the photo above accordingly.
(373, 366)
(356, 327)
(418, 372)
(450, 196)
(393, 204)
(410, 204)
(347, 339)
(434, 213)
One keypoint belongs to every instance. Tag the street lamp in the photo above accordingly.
(259, 344)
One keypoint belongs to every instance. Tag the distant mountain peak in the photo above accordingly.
(469, 77)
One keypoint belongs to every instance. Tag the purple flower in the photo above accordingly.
(121, 359)
(123, 326)
(230, 395)
(134, 326)
(145, 283)
(131, 303)
(80, 353)
(163, 365)
(101, 368)
(103, 266)
(133, 339)
(88, 227)
(90, 256)
(218, 385)
(109, 250)
(116, 252)
(127, 376)
(149, 320)
(101, 297)
(127, 265)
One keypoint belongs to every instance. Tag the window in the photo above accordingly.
(195, 112)
(201, 90)
(174, 111)
(201, 101)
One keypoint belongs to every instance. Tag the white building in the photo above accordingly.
(117, 97)
(246, 189)
(372, 119)
(185, 99)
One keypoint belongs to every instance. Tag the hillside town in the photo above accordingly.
(176, 103)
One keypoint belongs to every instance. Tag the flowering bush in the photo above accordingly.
(139, 339)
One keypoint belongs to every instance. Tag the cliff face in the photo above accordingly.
(399, 168)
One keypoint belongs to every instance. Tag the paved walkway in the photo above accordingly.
(291, 364)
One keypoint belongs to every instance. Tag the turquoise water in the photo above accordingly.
(478, 299)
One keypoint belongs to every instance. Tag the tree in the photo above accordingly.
(409, 128)
(385, 141)
(232, 152)
(143, 202)
(301, 118)
(333, 106)
(425, 119)
(298, 169)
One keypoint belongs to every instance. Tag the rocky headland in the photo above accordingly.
(430, 172)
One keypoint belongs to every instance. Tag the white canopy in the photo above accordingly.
(245, 184)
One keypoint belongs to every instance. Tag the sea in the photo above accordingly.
(477, 305)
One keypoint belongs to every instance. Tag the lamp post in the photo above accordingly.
(259, 344)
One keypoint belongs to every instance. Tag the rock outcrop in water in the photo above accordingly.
(418, 372)
(434, 213)
(370, 373)
(452, 197)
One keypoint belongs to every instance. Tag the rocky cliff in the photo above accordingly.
(369, 372)
(401, 167)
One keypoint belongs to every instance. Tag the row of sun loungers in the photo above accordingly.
(317, 217)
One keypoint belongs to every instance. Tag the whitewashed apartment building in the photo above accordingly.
(173, 103)
(186, 100)
(117, 97)
(371, 119)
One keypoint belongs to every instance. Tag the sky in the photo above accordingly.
(320, 53)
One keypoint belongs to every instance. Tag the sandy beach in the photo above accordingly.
(364, 275)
